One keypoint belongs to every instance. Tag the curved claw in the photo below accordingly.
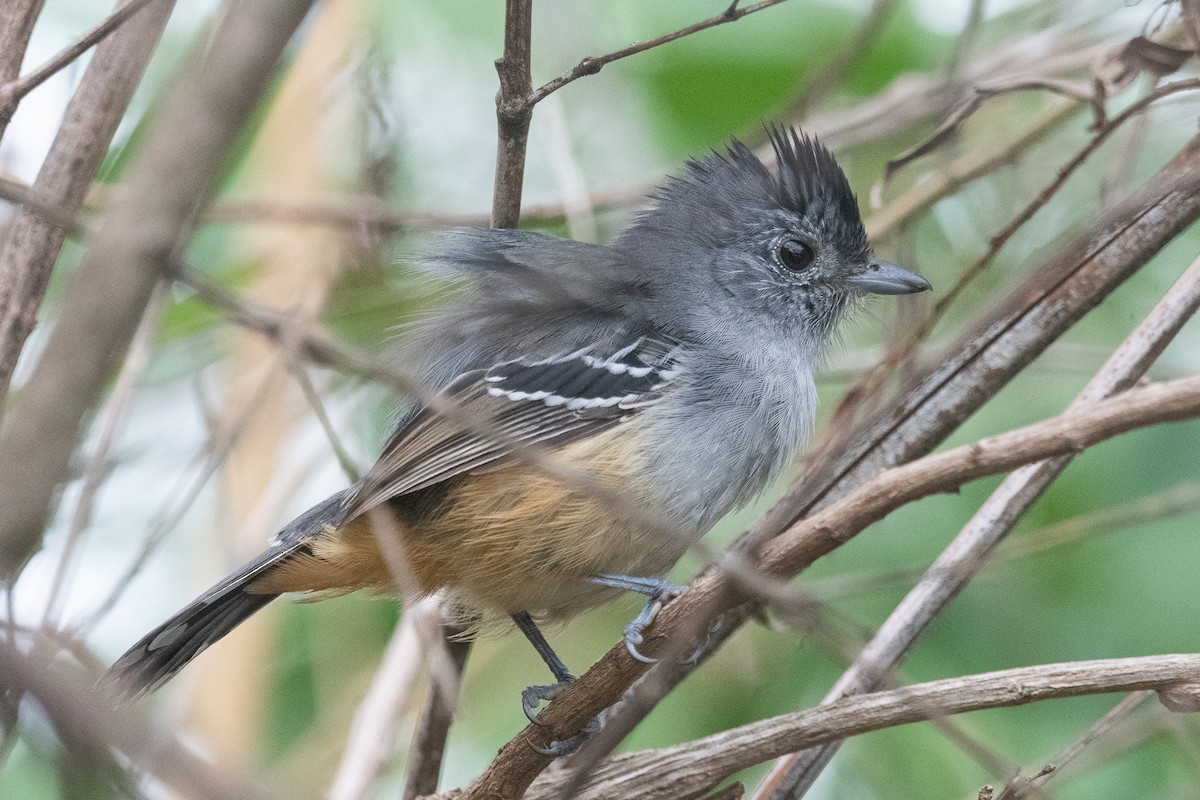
(569, 745)
(634, 630)
(533, 696)
(714, 628)
(632, 639)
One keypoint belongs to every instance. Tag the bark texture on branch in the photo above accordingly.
(690, 769)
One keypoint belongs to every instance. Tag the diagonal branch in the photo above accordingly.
(17, 18)
(150, 220)
(1059, 293)
(688, 770)
(12, 92)
(593, 64)
(91, 119)
(967, 553)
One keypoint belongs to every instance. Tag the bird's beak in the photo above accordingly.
(883, 277)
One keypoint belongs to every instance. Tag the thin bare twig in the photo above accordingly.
(873, 381)
(835, 70)
(593, 64)
(965, 39)
(429, 740)
(221, 442)
(17, 18)
(922, 196)
(12, 92)
(300, 373)
(112, 419)
(1181, 499)
(1020, 786)
(1066, 171)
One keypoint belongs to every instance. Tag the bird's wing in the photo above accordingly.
(549, 402)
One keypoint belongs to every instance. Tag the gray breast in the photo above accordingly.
(727, 433)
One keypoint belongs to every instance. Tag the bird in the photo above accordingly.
(674, 367)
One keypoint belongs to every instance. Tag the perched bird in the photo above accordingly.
(674, 366)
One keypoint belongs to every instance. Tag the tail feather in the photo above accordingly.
(164, 651)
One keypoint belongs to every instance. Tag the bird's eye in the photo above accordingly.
(795, 255)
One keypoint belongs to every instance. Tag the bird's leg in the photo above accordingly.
(532, 696)
(660, 593)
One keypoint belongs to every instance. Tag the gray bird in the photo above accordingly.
(675, 366)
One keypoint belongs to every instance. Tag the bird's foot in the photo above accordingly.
(635, 631)
(532, 697)
(565, 747)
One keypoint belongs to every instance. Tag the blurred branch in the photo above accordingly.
(150, 219)
(349, 466)
(113, 417)
(74, 703)
(924, 194)
(1070, 283)
(836, 69)
(1180, 499)
(17, 18)
(429, 742)
(215, 452)
(1066, 171)
(966, 554)
(11, 92)
(688, 770)
(373, 732)
(517, 97)
(904, 351)
(965, 39)
(908, 101)
(1021, 786)
(91, 119)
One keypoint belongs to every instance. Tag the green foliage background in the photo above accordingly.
(1126, 590)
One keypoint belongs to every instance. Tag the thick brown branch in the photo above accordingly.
(1068, 285)
(1066, 434)
(970, 549)
(513, 114)
(690, 769)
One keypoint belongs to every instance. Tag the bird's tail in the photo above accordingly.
(164, 651)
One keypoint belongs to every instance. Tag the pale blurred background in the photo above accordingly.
(391, 105)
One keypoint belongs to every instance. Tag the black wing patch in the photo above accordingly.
(580, 381)
(550, 402)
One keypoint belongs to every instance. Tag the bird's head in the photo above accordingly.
(786, 249)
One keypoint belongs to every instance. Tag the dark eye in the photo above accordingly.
(795, 255)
